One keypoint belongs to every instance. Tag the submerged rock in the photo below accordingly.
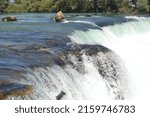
(74, 15)
(59, 17)
(9, 19)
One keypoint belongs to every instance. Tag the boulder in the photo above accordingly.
(59, 17)
(9, 19)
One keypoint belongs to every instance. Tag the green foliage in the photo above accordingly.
(103, 6)
(142, 6)
(15, 8)
(125, 10)
(3, 5)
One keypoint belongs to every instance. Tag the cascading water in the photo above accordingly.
(131, 42)
(86, 77)
(95, 58)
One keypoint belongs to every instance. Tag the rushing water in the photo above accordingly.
(98, 57)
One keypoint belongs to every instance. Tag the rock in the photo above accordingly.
(74, 15)
(9, 19)
(59, 17)
(60, 96)
(14, 90)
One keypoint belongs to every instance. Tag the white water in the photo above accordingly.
(135, 17)
(85, 83)
(82, 22)
(131, 41)
(50, 81)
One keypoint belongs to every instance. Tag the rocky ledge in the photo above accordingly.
(10, 90)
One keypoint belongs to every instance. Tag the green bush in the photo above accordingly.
(125, 10)
(143, 6)
(13, 8)
(3, 5)
(103, 6)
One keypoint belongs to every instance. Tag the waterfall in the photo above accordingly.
(85, 60)
(131, 41)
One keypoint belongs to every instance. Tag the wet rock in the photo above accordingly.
(60, 96)
(14, 90)
(9, 19)
(74, 15)
(59, 17)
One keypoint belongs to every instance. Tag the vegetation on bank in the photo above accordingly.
(76, 6)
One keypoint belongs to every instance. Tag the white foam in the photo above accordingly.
(83, 22)
(131, 41)
(135, 17)
(48, 82)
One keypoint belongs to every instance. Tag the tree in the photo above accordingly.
(142, 6)
(114, 5)
(105, 6)
(95, 4)
(134, 3)
(149, 6)
(3, 5)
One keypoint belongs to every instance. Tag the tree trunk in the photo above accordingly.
(95, 2)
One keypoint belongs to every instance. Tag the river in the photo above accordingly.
(98, 57)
